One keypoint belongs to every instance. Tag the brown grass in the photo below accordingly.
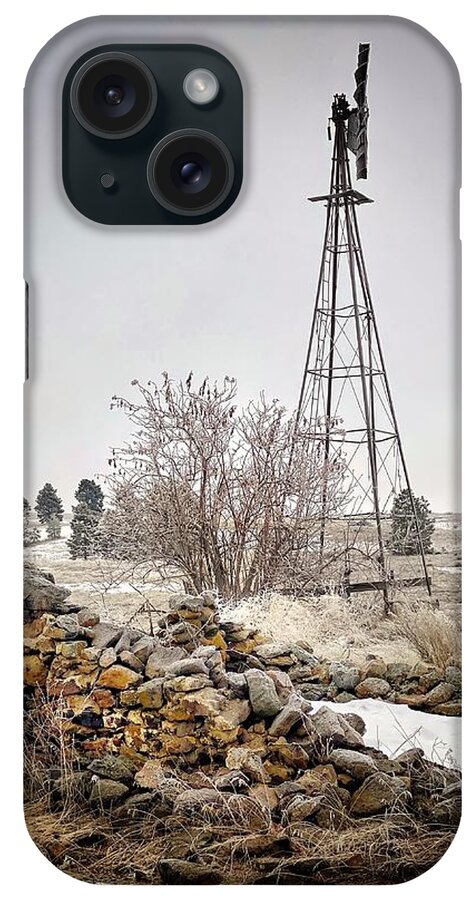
(434, 636)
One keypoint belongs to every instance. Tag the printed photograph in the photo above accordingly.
(242, 527)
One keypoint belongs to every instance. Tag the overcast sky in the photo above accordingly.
(235, 297)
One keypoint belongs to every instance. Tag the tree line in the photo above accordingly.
(50, 513)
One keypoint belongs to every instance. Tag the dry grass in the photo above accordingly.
(336, 628)
(95, 848)
(435, 637)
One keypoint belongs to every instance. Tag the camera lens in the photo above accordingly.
(113, 95)
(190, 172)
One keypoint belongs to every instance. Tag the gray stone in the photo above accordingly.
(190, 666)
(87, 618)
(40, 593)
(106, 792)
(453, 676)
(161, 659)
(150, 694)
(113, 768)
(353, 763)
(105, 635)
(263, 696)
(295, 711)
(143, 647)
(334, 727)
(344, 676)
(108, 657)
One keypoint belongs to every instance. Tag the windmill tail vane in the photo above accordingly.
(345, 409)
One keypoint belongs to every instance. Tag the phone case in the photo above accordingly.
(241, 528)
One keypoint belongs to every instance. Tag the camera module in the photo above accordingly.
(190, 172)
(113, 95)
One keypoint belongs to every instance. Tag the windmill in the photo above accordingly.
(346, 408)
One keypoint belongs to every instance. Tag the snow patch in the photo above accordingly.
(393, 728)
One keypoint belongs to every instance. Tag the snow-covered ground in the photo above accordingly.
(393, 728)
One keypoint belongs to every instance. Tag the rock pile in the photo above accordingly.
(202, 726)
(420, 686)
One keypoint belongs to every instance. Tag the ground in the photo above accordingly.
(336, 628)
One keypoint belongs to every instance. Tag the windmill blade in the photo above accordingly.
(357, 140)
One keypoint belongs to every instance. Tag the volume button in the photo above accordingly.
(27, 331)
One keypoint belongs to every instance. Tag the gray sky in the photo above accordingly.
(235, 297)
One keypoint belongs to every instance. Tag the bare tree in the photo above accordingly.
(225, 500)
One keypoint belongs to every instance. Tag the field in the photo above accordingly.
(334, 627)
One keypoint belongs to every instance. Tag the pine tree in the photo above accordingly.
(48, 504)
(84, 524)
(53, 528)
(31, 535)
(404, 538)
(90, 493)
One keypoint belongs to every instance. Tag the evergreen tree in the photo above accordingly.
(31, 535)
(48, 504)
(84, 525)
(53, 528)
(90, 493)
(404, 538)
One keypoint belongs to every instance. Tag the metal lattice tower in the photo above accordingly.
(345, 404)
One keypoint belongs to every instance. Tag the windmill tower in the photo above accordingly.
(345, 404)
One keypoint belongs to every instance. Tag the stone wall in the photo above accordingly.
(203, 726)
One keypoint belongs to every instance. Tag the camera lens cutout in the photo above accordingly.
(113, 95)
(190, 172)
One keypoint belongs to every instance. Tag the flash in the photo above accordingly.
(201, 86)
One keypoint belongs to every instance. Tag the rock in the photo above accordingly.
(150, 694)
(264, 795)
(71, 649)
(237, 683)
(191, 666)
(246, 761)
(453, 676)
(374, 668)
(440, 694)
(334, 727)
(179, 871)
(415, 701)
(372, 688)
(353, 763)
(142, 648)
(34, 671)
(275, 841)
(232, 713)
(154, 776)
(344, 676)
(186, 683)
(113, 768)
(118, 677)
(294, 711)
(235, 780)
(282, 682)
(131, 660)
(356, 722)
(64, 628)
(452, 708)
(41, 594)
(292, 755)
(378, 793)
(106, 792)
(87, 618)
(317, 780)
(301, 807)
(108, 657)
(275, 654)
(199, 803)
(263, 696)
(397, 673)
(344, 697)
(158, 661)
(105, 635)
